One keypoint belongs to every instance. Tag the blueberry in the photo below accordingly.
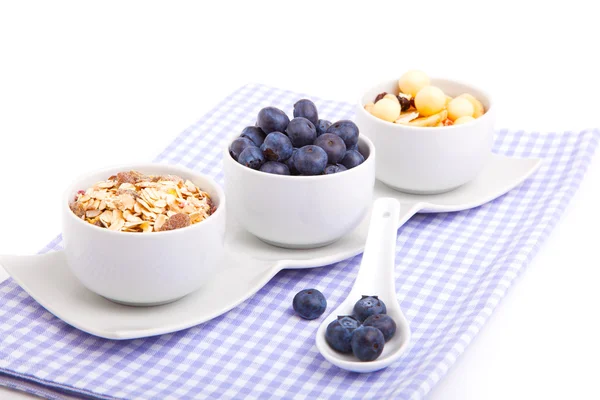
(290, 163)
(255, 134)
(367, 306)
(322, 125)
(277, 147)
(271, 119)
(301, 132)
(348, 321)
(238, 145)
(309, 303)
(352, 158)
(310, 160)
(333, 145)
(384, 323)
(347, 130)
(306, 109)
(339, 333)
(274, 167)
(367, 343)
(251, 157)
(334, 169)
(355, 147)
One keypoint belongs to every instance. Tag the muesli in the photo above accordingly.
(134, 202)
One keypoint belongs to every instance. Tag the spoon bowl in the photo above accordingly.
(375, 278)
(392, 350)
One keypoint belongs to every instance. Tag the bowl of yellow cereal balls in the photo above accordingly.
(432, 135)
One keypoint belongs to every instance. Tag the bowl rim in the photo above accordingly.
(229, 159)
(68, 193)
(408, 128)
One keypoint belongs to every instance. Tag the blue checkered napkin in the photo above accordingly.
(452, 270)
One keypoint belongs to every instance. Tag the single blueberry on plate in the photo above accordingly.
(251, 157)
(309, 303)
(322, 125)
(271, 119)
(334, 169)
(347, 130)
(310, 160)
(352, 158)
(255, 134)
(306, 109)
(301, 132)
(277, 147)
(339, 333)
(384, 323)
(238, 145)
(367, 306)
(333, 145)
(367, 343)
(274, 167)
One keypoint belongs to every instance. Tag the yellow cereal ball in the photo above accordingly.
(478, 109)
(430, 100)
(464, 120)
(391, 97)
(460, 107)
(386, 109)
(369, 107)
(413, 81)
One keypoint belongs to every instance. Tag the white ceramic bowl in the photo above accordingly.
(137, 268)
(300, 211)
(426, 160)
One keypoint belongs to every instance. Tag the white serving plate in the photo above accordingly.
(249, 264)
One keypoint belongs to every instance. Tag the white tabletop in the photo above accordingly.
(85, 86)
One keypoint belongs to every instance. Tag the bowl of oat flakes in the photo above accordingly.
(143, 234)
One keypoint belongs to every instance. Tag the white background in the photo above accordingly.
(85, 85)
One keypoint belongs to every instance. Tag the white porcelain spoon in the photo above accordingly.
(375, 277)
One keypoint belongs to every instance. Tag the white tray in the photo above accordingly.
(249, 264)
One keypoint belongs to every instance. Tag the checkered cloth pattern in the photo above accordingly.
(452, 271)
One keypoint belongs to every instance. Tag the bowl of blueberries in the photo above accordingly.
(302, 182)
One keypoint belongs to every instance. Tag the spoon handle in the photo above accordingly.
(376, 273)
